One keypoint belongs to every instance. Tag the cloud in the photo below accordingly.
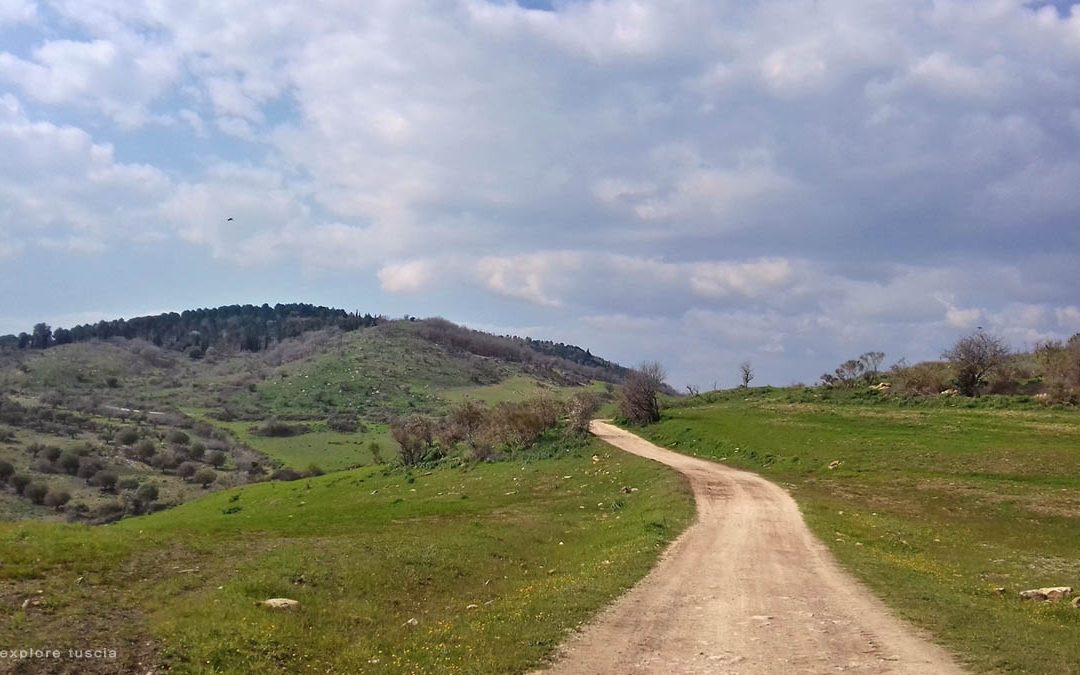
(792, 181)
(15, 12)
(62, 189)
(407, 277)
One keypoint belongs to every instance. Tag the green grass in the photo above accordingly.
(933, 506)
(537, 545)
(329, 450)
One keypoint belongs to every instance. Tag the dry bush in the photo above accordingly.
(580, 412)
(416, 438)
(638, 402)
(922, 379)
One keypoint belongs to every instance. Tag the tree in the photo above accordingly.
(871, 362)
(638, 398)
(746, 373)
(205, 476)
(42, 336)
(974, 357)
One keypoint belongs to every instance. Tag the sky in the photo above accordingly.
(695, 182)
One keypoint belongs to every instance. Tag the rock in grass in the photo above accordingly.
(1076, 602)
(1057, 592)
(1033, 594)
(280, 603)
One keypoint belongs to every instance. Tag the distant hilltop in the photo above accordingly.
(254, 328)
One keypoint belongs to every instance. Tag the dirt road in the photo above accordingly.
(746, 589)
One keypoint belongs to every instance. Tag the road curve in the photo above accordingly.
(746, 589)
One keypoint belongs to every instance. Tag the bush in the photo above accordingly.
(146, 493)
(416, 437)
(187, 469)
(69, 463)
(279, 429)
(128, 436)
(583, 407)
(7, 469)
(313, 470)
(344, 423)
(19, 481)
(7, 434)
(129, 483)
(205, 476)
(286, 474)
(178, 437)
(638, 398)
(216, 459)
(43, 465)
(376, 452)
(88, 468)
(51, 453)
(197, 450)
(106, 480)
(145, 449)
(57, 497)
(36, 492)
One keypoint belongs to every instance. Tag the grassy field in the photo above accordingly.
(329, 450)
(479, 569)
(933, 507)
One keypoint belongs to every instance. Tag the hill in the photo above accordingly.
(90, 418)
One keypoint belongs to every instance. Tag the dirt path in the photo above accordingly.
(746, 589)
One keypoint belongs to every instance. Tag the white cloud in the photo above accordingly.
(15, 12)
(61, 189)
(406, 277)
(1068, 317)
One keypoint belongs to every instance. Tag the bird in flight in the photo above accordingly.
(229, 219)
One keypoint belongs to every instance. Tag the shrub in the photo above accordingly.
(313, 470)
(415, 436)
(376, 452)
(164, 461)
(146, 493)
(216, 459)
(7, 469)
(36, 492)
(128, 436)
(88, 468)
(57, 497)
(344, 423)
(178, 437)
(285, 473)
(69, 463)
(129, 483)
(186, 469)
(197, 450)
(7, 434)
(205, 476)
(638, 398)
(583, 407)
(279, 429)
(145, 449)
(43, 465)
(51, 453)
(104, 479)
(19, 481)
